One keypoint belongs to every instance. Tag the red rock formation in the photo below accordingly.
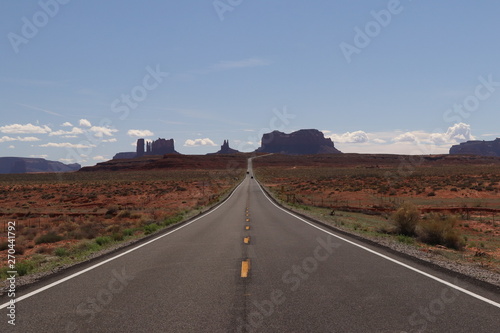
(140, 148)
(302, 142)
(482, 148)
(225, 149)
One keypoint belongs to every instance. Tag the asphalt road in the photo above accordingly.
(300, 278)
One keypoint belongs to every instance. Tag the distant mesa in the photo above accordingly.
(146, 148)
(302, 142)
(225, 149)
(9, 165)
(482, 148)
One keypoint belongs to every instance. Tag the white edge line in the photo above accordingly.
(465, 291)
(53, 284)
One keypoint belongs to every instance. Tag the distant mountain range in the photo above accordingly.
(302, 142)
(10, 165)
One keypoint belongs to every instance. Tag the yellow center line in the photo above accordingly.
(245, 268)
(247, 227)
(248, 220)
(246, 240)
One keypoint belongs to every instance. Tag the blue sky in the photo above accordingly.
(82, 80)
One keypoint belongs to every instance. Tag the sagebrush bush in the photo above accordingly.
(440, 229)
(50, 237)
(89, 230)
(103, 240)
(150, 228)
(4, 246)
(406, 218)
(61, 252)
(24, 267)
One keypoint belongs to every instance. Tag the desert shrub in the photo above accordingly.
(29, 233)
(20, 249)
(117, 236)
(61, 252)
(405, 239)
(128, 232)
(24, 267)
(50, 237)
(406, 218)
(4, 246)
(112, 229)
(103, 240)
(150, 228)
(85, 246)
(89, 230)
(440, 229)
(125, 214)
(111, 212)
(67, 227)
(43, 250)
(173, 219)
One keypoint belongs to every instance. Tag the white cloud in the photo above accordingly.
(110, 140)
(379, 141)
(67, 160)
(66, 145)
(12, 147)
(457, 133)
(349, 137)
(67, 124)
(406, 137)
(199, 142)
(25, 129)
(7, 139)
(100, 131)
(25, 139)
(28, 139)
(85, 123)
(39, 156)
(139, 133)
(75, 131)
(99, 158)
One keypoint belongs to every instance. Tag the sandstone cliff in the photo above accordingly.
(302, 142)
(483, 148)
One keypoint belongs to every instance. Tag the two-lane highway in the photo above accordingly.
(249, 266)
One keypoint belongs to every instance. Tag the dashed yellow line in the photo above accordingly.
(248, 220)
(246, 240)
(245, 268)
(247, 227)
